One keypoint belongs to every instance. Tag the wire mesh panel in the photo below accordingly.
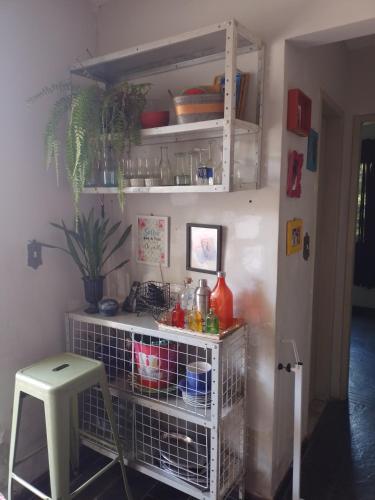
(233, 371)
(94, 422)
(232, 465)
(178, 447)
(178, 401)
(173, 372)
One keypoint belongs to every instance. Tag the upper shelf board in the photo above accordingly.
(170, 53)
(194, 131)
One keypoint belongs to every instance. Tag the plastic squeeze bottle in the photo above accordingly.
(222, 302)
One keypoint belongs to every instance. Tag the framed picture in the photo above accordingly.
(203, 248)
(295, 162)
(312, 151)
(153, 240)
(294, 236)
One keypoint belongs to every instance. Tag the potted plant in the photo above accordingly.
(89, 247)
(98, 120)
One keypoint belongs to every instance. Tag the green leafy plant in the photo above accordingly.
(89, 244)
(98, 120)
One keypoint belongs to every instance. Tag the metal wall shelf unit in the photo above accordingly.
(222, 41)
(208, 460)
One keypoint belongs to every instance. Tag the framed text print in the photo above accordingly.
(153, 240)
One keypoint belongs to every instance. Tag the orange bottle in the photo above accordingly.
(222, 302)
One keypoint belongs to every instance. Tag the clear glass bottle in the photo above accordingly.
(187, 295)
(165, 167)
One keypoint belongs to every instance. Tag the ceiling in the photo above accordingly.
(361, 42)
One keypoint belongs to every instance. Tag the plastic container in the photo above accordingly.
(150, 119)
(156, 364)
(199, 107)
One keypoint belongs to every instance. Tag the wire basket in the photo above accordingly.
(153, 296)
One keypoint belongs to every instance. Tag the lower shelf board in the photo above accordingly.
(149, 470)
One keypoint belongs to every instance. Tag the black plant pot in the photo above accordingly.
(93, 293)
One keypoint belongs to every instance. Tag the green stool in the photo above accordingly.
(57, 381)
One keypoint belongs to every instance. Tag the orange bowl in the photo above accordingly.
(151, 119)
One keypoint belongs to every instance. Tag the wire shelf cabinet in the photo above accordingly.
(178, 400)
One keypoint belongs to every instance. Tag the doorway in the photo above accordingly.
(323, 371)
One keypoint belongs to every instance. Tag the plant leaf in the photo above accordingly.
(117, 267)
(119, 244)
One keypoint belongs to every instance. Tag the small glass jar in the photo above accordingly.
(137, 178)
(152, 177)
(182, 177)
(108, 168)
(125, 170)
(193, 162)
(165, 167)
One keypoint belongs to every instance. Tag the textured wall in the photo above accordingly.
(38, 42)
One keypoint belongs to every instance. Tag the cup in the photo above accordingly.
(198, 378)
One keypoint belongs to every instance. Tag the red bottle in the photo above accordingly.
(222, 302)
(178, 316)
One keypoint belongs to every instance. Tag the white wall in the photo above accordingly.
(38, 42)
(252, 229)
(312, 70)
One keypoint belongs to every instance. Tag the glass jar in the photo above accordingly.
(165, 167)
(152, 172)
(193, 162)
(218, 173)
(182, 177)
(108, 168)
(137, 178)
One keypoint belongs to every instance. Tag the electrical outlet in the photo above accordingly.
(34, 254)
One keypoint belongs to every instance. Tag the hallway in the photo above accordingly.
(339, 464)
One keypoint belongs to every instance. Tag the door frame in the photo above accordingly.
(331, 380)
(358, 120)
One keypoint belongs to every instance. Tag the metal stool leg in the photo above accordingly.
(108, 406)
(74, 434)
(17, 410)
(57, 414)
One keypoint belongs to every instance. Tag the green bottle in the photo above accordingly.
(212, 322)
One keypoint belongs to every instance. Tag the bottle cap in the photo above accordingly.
(203, 283)
(221, 274)
(188, 280)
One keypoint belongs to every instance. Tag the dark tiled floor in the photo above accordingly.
(339, 463)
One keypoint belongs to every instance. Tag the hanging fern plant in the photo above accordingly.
(120, 117)
(97, 119)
